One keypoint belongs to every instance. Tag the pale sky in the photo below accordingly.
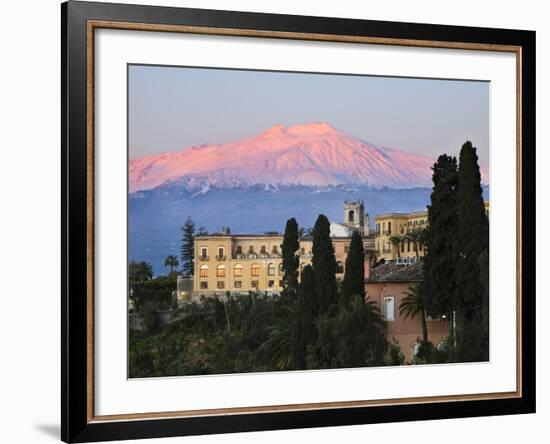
(171, 108)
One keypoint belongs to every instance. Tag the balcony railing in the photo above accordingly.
(220, 258)
(204, 258)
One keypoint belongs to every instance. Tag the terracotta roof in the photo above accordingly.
(391, 272)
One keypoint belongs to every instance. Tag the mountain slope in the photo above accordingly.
(313, 155)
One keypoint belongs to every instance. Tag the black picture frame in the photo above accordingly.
(76, 425)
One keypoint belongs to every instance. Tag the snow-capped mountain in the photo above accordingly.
(313, 155)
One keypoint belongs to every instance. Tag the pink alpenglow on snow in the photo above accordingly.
(314, 155)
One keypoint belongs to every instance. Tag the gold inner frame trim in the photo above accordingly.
(97, 24)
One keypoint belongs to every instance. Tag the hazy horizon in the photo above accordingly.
(173, 108)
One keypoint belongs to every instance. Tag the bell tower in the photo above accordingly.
(354, 214)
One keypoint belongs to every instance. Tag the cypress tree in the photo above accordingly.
(354, 276)
(187, 252)
(439, 285)
(472, 240)
(324, 264)
(291, 260)
(305, 320)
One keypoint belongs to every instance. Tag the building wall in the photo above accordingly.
(406, 332)
(248, 263)
(399, 224)
(254, 267)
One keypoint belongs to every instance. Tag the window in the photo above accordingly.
(239, 250)
(389, 227)
(255, 284)
(221, 285)
(204, 252)
(270, 284)
(204, 285)
(271, 269)
(302, 251)
(238, 270)
(251, 249)
(402, 247)
(203, 273)
(280, 283)
(408, 245)
(281, 269)
(339, 267)
(402, 229)
(275, 249)
(238, 284)
(346, 249)
(263, 250)
(220, 271)
(377, 228)
(420, 247)
(221, 252)
(389, 308)
(351, 216)
(255, 270)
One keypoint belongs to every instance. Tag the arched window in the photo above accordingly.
(340, 267)
(220, 271)
(351, 216)
(204, 271)
(255, 270)
(238, 270)
(271, 269)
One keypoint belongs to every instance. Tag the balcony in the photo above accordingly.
(386, 250)
(204, 258)
(220, 258)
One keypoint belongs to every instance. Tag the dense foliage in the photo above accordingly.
(324, 264)
(257, 332)
(456, 266)
(472, 244)
(354, 276)
(439, 284)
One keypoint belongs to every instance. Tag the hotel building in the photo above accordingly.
(240, 263)
(392, 225)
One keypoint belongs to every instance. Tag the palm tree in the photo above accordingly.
(139, 272)
(373, 313)
(172, 262)
(280, 339)
(396, 242)
(416, 236)
(414, 304)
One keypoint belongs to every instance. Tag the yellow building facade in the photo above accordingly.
(391, 226)
(243, 263)
(398, 225)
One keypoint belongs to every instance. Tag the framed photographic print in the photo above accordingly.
(275, 221)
